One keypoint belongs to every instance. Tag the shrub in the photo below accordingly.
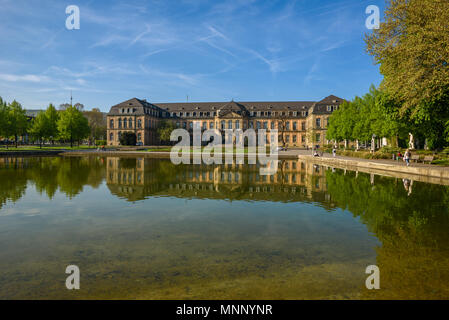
(100, 142)
(128, 139)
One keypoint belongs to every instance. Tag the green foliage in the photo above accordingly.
(374, 113)
(52, 116)
(128, 139)
(97, 124)
(164, 130)
(100, 142)
(44, 126)
(3, 117)
(412, 48)
(72, 125)
(16, 123)
(39, 127)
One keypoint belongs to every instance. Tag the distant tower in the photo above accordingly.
(71, 99)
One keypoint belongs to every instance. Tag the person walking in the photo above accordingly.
(407, 156)
(334, 152)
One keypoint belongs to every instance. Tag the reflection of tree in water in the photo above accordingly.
(49, 174)
(413, 229)
(13, 183)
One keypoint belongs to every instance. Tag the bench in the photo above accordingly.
(428, 159)
(415, 158)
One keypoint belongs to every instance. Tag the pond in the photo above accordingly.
(143, 228)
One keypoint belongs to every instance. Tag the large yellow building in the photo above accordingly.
(299, 123)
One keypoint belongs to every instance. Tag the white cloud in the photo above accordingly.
(21, 78)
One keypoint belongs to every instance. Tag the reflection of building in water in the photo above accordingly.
(294, 180)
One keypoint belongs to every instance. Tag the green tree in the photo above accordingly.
(52, 116)
(39, 127)
(97, 124)
(164, 130)
(72, 125)
(412, 48)
(4, 115)
(128, 139)
(17, 121)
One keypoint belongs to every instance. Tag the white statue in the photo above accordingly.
(411, 142)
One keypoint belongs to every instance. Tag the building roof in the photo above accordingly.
(138, 106)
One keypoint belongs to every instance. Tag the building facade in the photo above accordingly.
(299, 123)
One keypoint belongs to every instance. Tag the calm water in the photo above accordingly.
(144, 228)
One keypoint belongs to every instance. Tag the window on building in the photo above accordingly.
(237, 124)
(258, 124)
(230, 124)
(139, 137)
(204, 125)
(111, 137)
(125, 123)
(184, 125)
(223, 125)
(318, 122)
(190, 125)
(295, 125)
(251, 125)
(287, 125)
(130, 123)
(318, 137)
(272, 125)
(303, 138)
(294, 139)
(287, 138)
(111, 124)
(211, 125)
(265, 125)
(303, 126)
(139, 123)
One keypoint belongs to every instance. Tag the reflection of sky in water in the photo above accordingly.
(173, 247)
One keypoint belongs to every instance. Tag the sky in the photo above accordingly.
(171, 51)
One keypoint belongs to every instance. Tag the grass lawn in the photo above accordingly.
(45, 148)
(441, 162)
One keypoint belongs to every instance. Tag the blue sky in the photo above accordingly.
(164, 50)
